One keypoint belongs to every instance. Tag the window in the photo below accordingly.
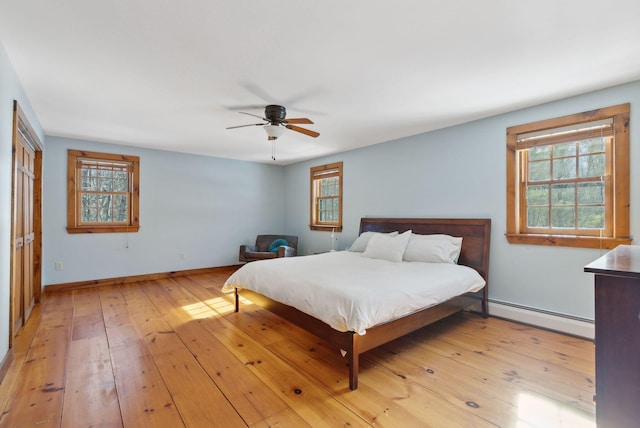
(102, 192)
(568, 180)
(326, 197)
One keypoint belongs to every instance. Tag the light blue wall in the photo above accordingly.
(202, 206)
(461, 172)
(10, 90)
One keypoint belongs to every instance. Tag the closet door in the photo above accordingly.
(23, 267)
(26, 222)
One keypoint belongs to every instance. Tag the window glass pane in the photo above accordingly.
(88, 179)
(105, 214)
(591, 217)
(329, 186)
(538, 153)
(591, 193)
(563, 194)
(538, 195)
(563, 217)
(88, 200)
(538, 217)
(105, 184)
(120, 175)
(105, 173)
(120, 201)
(591, 165)
(104, 201)
(566, 149)
(539, 171)
(89, 215)
(120, 215)
(328, 210)
(120, 185)
(564, 168)
(595, 145)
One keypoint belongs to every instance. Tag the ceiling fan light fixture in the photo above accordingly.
(274, 131)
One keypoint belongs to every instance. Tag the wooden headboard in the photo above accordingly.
(475, 234)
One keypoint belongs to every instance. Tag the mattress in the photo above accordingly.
(351, 292)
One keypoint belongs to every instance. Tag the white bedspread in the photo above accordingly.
(351, 292)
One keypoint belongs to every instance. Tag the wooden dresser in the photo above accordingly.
(617, 319)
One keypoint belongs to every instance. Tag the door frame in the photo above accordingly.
(22, 126)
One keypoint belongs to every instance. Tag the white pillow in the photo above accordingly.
(433, 249)
(387, 247)
(360, 244)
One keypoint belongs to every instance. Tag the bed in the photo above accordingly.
(354, 337)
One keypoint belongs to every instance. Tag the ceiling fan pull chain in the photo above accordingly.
(273, 149)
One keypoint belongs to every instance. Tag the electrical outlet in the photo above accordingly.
(182, 255)
(59, 266)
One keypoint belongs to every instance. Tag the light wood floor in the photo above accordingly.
(172, 352)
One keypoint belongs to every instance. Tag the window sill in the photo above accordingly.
(102, 229)
(567, 240)
(326, 228)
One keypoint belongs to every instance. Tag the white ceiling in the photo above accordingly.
(172, 75)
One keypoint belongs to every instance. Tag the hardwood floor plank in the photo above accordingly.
(470, 391)
(180, 371)
(143, 396)
(90, 389)
(21, 343)
(381, 399)
(563, 385)
(41, 386)
(576, 354)
(249, 395)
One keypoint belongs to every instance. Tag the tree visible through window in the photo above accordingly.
(568, 180)
(326, 197)
(103, 192)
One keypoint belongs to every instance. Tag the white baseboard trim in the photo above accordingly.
(542, 319)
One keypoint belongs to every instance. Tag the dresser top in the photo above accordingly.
(624, 260)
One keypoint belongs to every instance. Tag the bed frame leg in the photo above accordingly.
(237, 301)
(354, 361)
(485, 303)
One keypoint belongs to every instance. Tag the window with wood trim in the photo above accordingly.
(102, 192)
(326, 197)
(568, 180)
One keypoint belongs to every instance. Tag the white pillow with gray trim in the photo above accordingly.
(360, 244)
(435, 248)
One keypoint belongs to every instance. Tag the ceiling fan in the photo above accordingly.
(275, 122)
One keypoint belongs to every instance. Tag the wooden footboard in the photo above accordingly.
(475, 253)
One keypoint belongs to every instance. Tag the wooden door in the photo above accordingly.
(25, 283)
(23, 290)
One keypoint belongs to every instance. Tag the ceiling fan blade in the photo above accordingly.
(256, 90)
(308, 132)
(254, 115)
(242, 126)
(299, 120)
(245, 107)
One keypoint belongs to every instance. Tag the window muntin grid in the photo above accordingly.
(565, 186)
(104, 192)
